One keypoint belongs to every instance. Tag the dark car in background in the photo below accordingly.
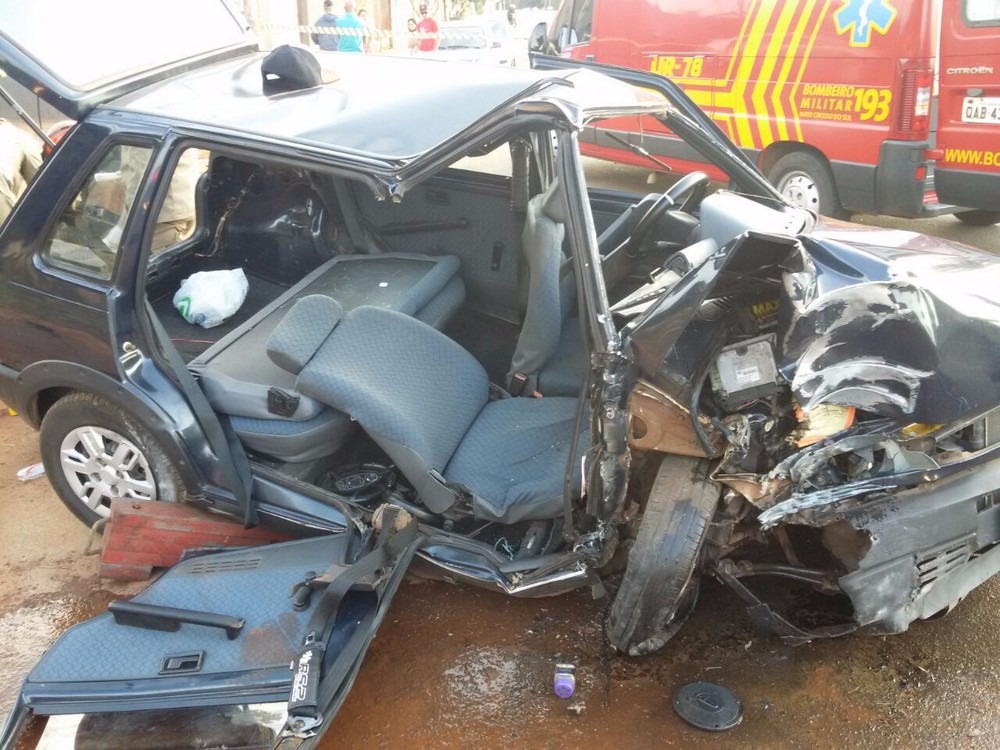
(452, 352)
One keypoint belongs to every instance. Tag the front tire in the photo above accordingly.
(660, 586)
(94, 452)
(806, 181)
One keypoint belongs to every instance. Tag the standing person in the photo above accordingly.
(326, 28)
(351, 29)
(368, 37)
(428, 30)
(20, 158)
(412, 39)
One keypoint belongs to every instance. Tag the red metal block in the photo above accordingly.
(140, 536)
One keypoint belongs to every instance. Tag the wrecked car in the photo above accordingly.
(454, 356)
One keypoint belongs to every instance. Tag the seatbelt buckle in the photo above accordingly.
(517, 383)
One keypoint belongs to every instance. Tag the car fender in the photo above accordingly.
(172, 423)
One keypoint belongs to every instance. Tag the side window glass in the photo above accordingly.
(575, 26)
(496, 162)
(87, 235)
(177, 217)
(982, 12)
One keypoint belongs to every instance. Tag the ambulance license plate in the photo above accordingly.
(981, 109)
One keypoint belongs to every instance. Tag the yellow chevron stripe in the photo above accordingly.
(745, 69)
(737, 54)
(786, 67)
(760, 87)
(802, 67)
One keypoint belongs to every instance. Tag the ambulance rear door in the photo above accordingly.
(968, 138)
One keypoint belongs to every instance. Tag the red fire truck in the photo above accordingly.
(833, 99)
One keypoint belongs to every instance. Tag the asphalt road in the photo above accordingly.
(457, 667)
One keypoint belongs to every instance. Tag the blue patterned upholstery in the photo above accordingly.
(297, 337)
(563, 373)
(424, 400)
(238, 379)
(441, 308)
(411, 388)
(295, 440)
(551, 300)
(514, 458)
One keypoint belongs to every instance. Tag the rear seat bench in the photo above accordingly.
(259, 397)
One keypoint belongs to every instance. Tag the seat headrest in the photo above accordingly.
(554, 202)
(305, 327)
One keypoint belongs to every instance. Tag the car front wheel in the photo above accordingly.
(94, 452)
(660, 585)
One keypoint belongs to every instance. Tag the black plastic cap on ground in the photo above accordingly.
(708, 706)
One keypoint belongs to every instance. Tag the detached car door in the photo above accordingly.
(248, 648)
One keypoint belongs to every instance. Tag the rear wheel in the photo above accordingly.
(806, 181)
(94, 453)
(979, 218)
(660, 585)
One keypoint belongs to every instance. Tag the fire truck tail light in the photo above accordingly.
(914, 115)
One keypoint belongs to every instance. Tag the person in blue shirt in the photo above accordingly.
(326, 36)
(351, 29)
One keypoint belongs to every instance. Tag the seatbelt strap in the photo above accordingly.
(233, 461)
(356, 231)
(520, 188)
(305, 699)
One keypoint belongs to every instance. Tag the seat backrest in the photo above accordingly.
(550, 295)
(411, 388)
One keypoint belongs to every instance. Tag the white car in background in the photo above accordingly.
(482, 41)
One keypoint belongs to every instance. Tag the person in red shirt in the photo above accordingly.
(427, 28)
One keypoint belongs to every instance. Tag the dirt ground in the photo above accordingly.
(458, 667)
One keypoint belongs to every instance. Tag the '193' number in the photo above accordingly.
(872, 104)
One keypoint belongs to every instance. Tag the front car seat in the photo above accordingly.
(549, 357)
(425, 401)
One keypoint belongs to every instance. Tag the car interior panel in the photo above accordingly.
(456, 243)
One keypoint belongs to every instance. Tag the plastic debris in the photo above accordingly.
(707, 705)
(31, 472)
(564, 681)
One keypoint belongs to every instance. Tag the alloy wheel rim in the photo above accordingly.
(100, 466)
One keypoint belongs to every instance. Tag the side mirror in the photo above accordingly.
(539, 39)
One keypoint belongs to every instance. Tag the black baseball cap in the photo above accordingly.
(289, 68)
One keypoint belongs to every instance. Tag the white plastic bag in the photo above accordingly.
(207, 298)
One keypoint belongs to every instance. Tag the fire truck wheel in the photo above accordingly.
(806, 181)
(979, 218)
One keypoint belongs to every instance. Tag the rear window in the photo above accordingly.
(87, 236)
(981, 12)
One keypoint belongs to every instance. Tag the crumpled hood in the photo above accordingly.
(897, 323)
